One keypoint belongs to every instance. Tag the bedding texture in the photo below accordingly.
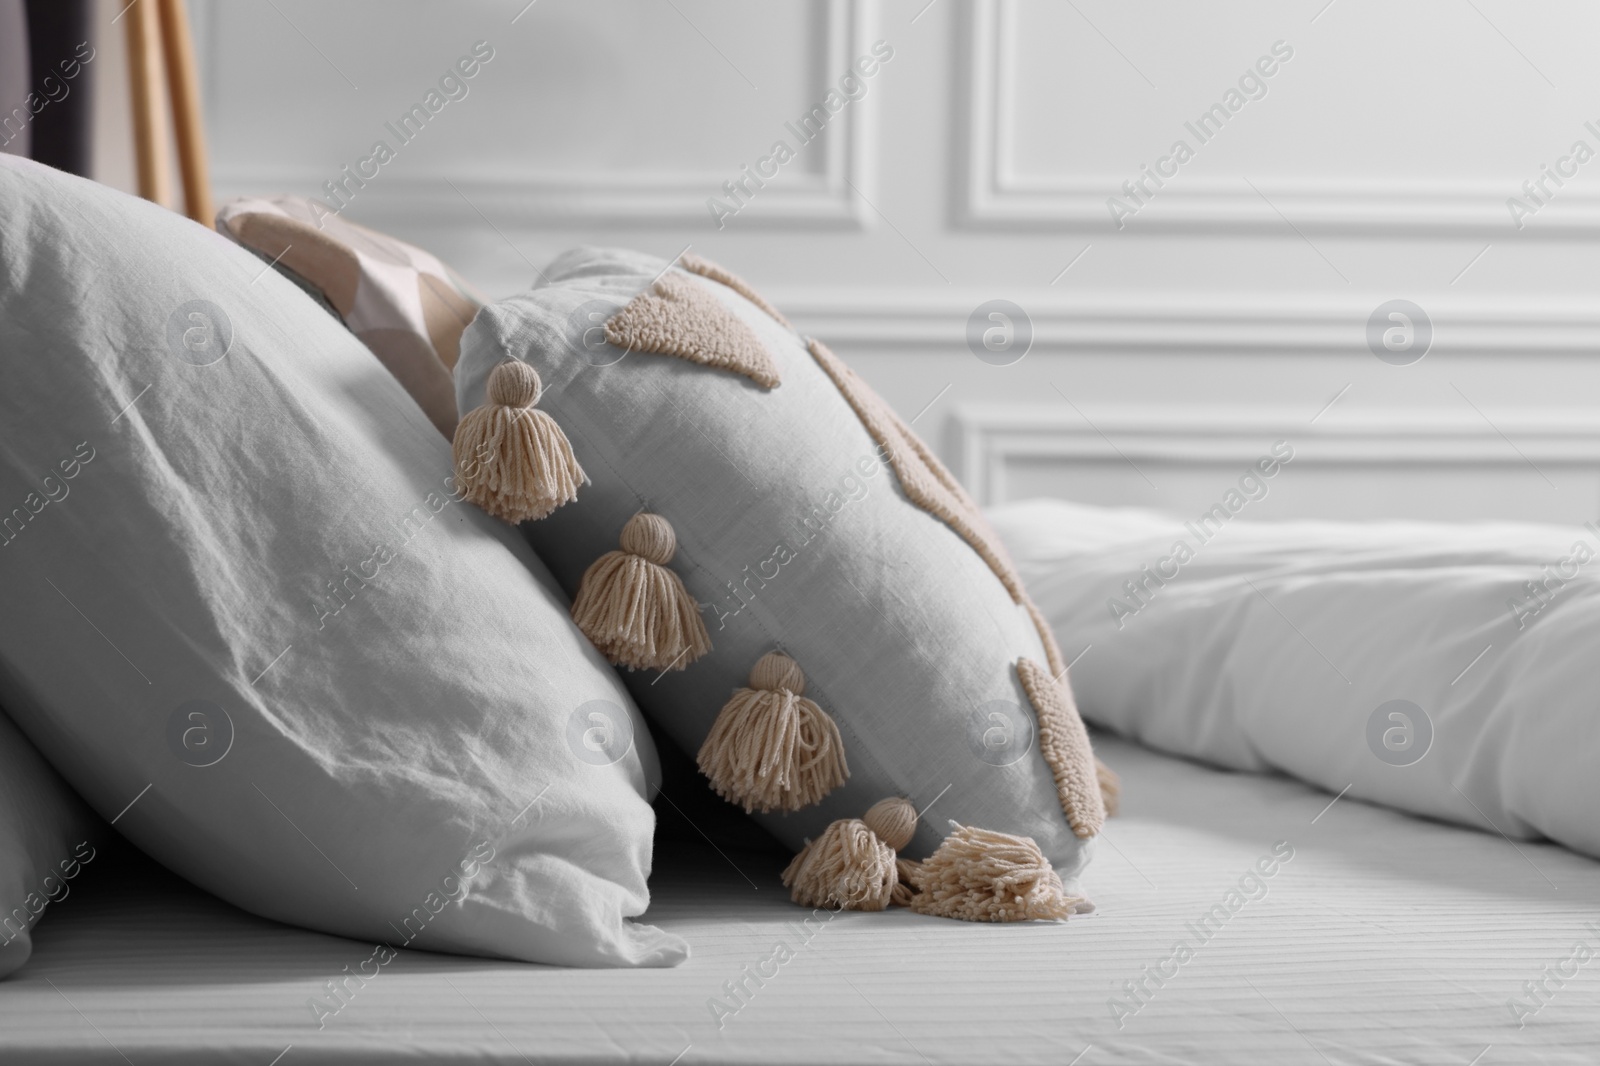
(250, 620)
(403, 303)
(1445, 670)
(801, 594)
(47, 836)
(1235, 926)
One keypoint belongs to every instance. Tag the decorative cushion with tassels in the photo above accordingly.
(786, 510)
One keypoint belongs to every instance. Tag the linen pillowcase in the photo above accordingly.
(807, 520)
(47, 836)
(250, 620)
(402, 302)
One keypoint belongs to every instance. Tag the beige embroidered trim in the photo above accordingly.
(1081, 780)
(1065, 745)
(923, 477)
(934, 488)
(707, 269)
(1052, 652)
(676, 316)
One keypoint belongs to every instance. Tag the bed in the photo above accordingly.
(1385, 938)
(1240, 915)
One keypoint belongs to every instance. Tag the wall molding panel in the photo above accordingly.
(1409, 449)
(994, 196)
(650, 198)
(900, 318)
(979, 165)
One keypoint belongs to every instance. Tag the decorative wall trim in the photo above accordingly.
(659, 198)
(989, 439)
(1168, 324)
(995, 196)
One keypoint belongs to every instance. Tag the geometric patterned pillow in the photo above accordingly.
(401, 302)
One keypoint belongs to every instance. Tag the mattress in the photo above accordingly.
(1376, 938)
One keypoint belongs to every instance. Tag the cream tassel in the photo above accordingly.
(907, 871)
(771, 748)
(634, 609)
(978, 875)
(852, 865)
(1110, 787)
(511, 459)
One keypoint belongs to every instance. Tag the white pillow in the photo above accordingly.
(1404, 663)
(47, 837)
(249, 621)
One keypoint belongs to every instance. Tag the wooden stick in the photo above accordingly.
(149, 125)
(184, 88)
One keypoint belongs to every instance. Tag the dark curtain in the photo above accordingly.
(46, 107)
(62, 130)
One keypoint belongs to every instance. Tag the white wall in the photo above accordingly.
(1223, 315)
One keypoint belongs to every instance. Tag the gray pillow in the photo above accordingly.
(807, 521)
(248, 617)
(47, 837)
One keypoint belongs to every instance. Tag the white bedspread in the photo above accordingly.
(1285, 645)
(1384, 939)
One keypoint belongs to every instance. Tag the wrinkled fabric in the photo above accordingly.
(47, 838)
(247, 617)
(1286, 646)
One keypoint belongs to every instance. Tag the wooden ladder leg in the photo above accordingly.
(149, 126)
(183, 84)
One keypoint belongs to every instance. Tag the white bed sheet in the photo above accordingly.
(1385, 939)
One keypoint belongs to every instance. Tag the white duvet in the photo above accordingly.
(1447, 670)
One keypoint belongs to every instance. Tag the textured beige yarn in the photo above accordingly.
(921, 475)
(1065, 745)
(511, 459)
(649, 536)
(776, 670)
(678, 316)
(1110, 787)
(850, 866)
(695, 264)
(771, 748)
(634, 609)
(933, 488)
(978, 875)
(894, 820)
(906, 869)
